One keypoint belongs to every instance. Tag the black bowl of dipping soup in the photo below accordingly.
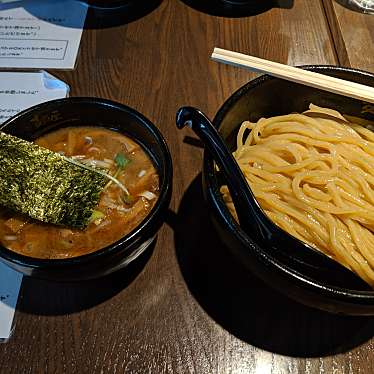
(56, 115)
(268, 97)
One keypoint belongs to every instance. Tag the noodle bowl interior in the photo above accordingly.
(312, 173)
(112, 219)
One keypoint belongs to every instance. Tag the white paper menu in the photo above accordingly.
(10, 283)
(19, 91)
(40, 33)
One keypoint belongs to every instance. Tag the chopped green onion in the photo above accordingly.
(96, 214)
(121, 161)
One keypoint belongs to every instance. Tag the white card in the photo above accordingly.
(41, 33)
(10, 283)
(19, 91)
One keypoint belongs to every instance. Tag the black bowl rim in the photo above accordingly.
(123, 243)
(301, 280)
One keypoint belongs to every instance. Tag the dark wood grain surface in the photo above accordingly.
(353, 34)
(186, 306)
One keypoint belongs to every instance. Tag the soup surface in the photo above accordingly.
(117, 213)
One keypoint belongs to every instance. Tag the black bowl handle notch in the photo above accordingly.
(247, 209)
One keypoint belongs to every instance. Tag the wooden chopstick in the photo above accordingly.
(297, 75)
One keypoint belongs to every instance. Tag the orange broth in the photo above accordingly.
(117, 217)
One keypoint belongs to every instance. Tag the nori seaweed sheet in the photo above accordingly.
(42, 184)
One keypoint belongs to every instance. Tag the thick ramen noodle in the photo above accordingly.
(117, 213)
(313, 175)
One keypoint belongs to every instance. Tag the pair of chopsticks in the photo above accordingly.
(297, 75)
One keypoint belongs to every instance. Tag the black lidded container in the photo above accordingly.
(46, 117)
(108, 4)
(266, 97)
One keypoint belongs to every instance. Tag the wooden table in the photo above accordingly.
(187, 306)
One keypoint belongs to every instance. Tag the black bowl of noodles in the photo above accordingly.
(120, 229)
(267, 97)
